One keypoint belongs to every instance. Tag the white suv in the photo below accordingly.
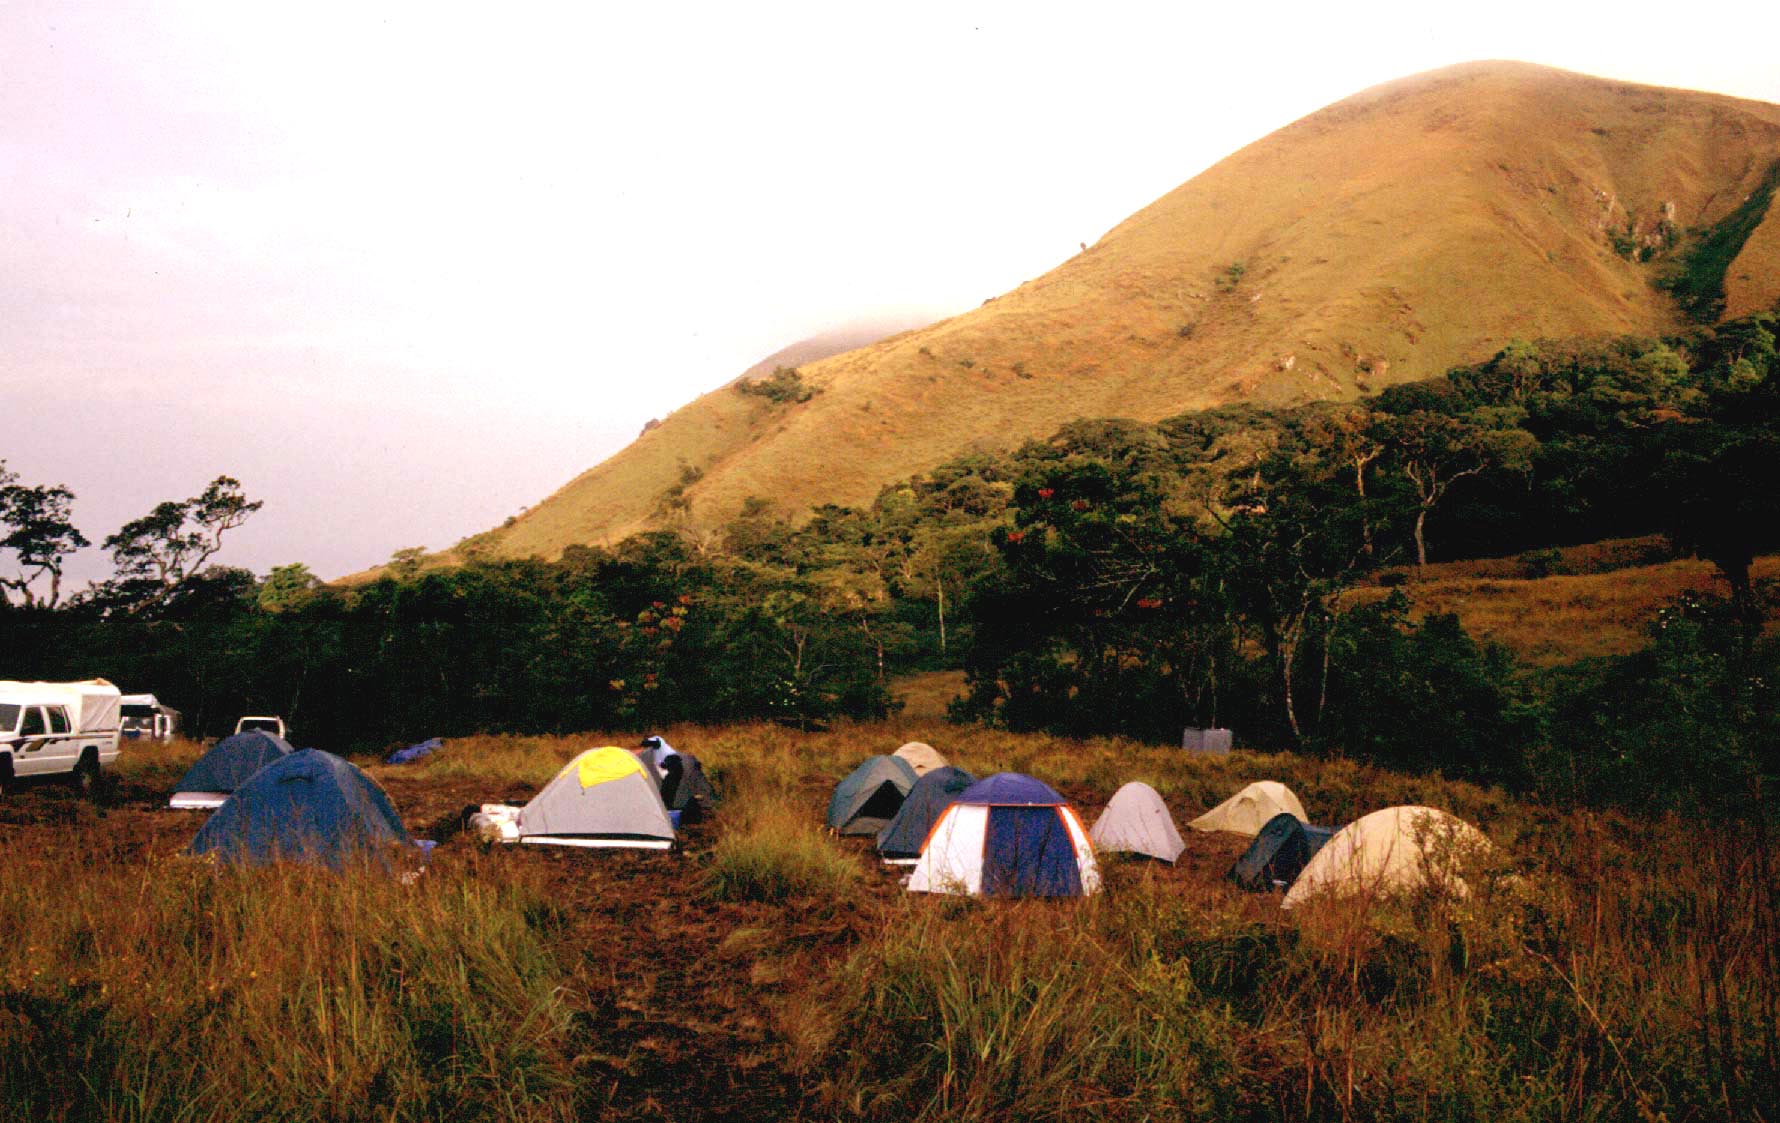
(51, 727)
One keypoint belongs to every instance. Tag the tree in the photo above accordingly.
(1295, 543)
(287, 587)
(1436, 450)
(39, 534)
(1719, 492)
(405, 563)
(157, 553)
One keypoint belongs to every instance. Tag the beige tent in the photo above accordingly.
(922, 757)
(1248, 810)
(1394, 850)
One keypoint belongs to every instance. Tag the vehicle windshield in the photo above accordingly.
(269, 725)
(9, 717)
(134, 710)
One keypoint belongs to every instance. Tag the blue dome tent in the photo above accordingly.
(309, 806)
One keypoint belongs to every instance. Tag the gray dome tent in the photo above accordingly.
(870, 796)
(605, 797)
(899, 843)
(230, 763)
(1279, 854)
(1137, 821)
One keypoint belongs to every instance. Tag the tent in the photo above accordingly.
(307, 806)
(1278, 854)
(1137, 822)
(1248, 810)
(1394, 850)
(684, 787)
(605, 797)
(922, 757)
(1007, 836)
(230, 763)
(415, 752)
(870, 796)
(900, 842)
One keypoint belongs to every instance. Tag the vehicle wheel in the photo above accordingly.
(86, 774)
(5, 775)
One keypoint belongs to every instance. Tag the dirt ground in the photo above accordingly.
(679, 999)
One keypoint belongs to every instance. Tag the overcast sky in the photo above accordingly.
(404, 269)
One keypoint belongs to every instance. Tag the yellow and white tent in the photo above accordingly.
(922, 757)
(604, 797)
(1395, 850)
(1248, 810)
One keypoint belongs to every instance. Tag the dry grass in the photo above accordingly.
(1567, 987)
(925, 696)
(1600, 969)
(1562, 618)
(1475, 204)
(176, 990)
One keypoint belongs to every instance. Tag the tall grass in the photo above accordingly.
(1625, 982)
(179, 990)
(772, 848)
(1602, 969)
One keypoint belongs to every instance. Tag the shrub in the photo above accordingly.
(784, 385)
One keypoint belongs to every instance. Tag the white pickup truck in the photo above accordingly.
(266, 724)
(58, 727)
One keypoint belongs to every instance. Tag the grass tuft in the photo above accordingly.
(775, 851)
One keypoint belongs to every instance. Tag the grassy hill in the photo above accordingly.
(1406, 229)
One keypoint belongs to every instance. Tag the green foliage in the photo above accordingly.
(633, 636)
(1231, 276)
(287, 587)
(1690, 724)
(1698, 283)
(1424, 697)
(157, 554)
(35, 528)
(405, 563)
(785, 386)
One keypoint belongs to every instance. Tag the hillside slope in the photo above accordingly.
(1406, 229)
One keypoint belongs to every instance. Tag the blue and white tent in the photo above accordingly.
(1007, 836)
(309, 806)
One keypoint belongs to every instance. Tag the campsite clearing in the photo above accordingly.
(545, 983)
